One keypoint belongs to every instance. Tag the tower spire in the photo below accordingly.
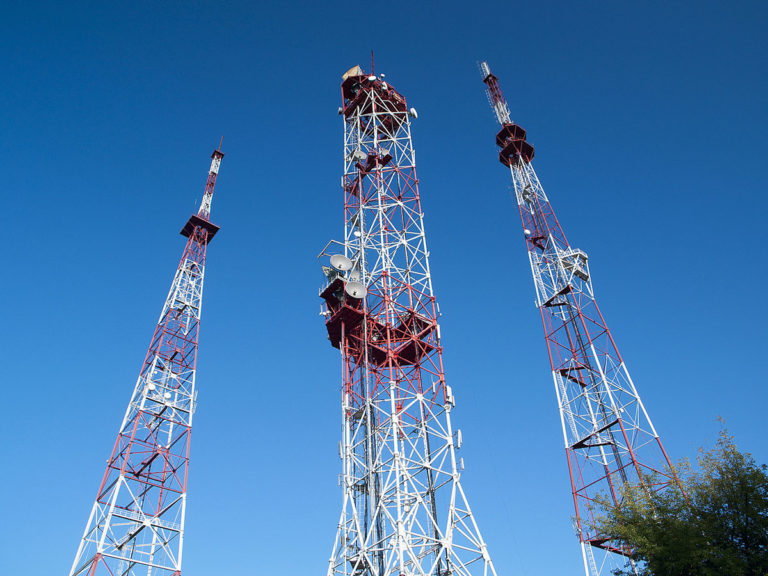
(495, 95)
(136, 526)
(404, 510)
(609, 438)
(205, 205)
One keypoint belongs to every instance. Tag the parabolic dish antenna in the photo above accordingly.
(355, 290)
(353, 276)
(341, 262)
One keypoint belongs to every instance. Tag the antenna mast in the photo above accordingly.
(136, 526)
(404, 509)
(609, 438)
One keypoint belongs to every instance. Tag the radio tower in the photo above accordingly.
(137, 522)
(404, 510)
(609, 438)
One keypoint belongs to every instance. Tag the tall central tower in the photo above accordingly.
(609, 438)
(136, 526)
(404, 510)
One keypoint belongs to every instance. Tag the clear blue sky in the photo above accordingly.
(649, 124)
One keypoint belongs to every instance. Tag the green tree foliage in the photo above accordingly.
(718, 528)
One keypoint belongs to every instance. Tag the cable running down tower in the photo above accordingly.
(404, 510)
(136, 526)
(609, 438)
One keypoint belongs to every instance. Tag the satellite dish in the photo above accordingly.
(354, 71)
(329, 272)
(353, 276)
(355, 290)
(357, 155)
(341, 262)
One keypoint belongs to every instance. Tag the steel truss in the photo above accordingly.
(609, 438)
(136, 526)
(404, 510)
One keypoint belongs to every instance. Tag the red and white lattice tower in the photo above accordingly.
(136, 525)
(404, 510)
(609, 438)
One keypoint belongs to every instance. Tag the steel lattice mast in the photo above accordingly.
(404, 510)
(136, 525)
(609, 438)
